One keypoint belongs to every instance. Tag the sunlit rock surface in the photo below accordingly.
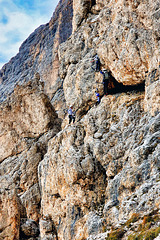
(100, 175)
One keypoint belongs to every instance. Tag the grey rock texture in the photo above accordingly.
(38, 53)
(127, 42)
(25, 131)
(98, 178)
(111, 140)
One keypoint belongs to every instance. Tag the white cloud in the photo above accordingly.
(19, 23)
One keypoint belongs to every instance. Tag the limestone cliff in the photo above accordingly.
(98, 178)
(39, 53)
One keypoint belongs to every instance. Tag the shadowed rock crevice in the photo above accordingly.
(115, 87)
(29, 229)
(93, 2)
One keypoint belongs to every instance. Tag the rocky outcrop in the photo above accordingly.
(99, 177)
(152, 101)
(124, 33)
(39, 53)
(82, 8)
(126, 42)
(107, 168)
(24, 117)
(28, 121)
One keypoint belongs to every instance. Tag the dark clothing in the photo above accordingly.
(105, 87)
(70, 119)
(97, 64)
(72, 115)
(73, 118)
(105, 81)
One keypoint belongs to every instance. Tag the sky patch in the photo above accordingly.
(18, 19)
(4, 19)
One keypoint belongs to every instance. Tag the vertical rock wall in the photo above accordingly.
(38, 53)
(100, 168)
(120, 137)
(28, 121)
(81, 181)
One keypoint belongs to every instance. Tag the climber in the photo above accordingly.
(97, 61)
(98, 97)
(74, 116)
(71, 114)
(105, 74)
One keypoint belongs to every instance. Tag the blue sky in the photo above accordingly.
(18, 19)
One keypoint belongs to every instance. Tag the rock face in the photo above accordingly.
(28, 121)
(126, 40)
(27, 115)
(98, 178)
(108, 168)
(39, 53)
(122, 34)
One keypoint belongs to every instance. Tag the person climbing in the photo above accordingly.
(74, 116)
(71, 114)
(98, 97)
(97, 61)
(105, 74)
